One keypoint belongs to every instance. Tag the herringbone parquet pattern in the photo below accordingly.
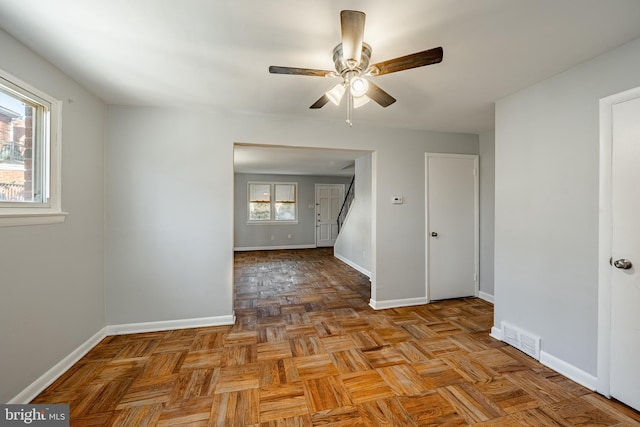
(307, 350)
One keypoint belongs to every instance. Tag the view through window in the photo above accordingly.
(22, 151)
(272, 201)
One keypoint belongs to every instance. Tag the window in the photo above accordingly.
(273, 202)
(29, 157)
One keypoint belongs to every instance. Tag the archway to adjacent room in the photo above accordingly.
(276, 207)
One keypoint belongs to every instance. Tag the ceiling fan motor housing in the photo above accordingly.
(341, 66)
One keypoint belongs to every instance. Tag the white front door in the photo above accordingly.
(329, 198)
(452, 225)
(625, 252)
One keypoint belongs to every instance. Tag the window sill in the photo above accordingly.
(272, 222)
(31, 218)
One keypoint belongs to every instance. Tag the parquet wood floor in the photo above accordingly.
(307, 350)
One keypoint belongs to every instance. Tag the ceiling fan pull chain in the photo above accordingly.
(349, 107)
(351, 59)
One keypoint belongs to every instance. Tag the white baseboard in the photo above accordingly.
(485, 296)
(135, 328)
(568, 370)
(36, 387)
(393, 303)
(353, 265)
(560, 366)
(273, 248)
(496, 333)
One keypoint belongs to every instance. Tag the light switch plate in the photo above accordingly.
(396, 200)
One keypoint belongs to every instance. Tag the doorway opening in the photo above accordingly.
(267, 177)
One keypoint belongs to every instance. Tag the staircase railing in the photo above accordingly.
(348, 198)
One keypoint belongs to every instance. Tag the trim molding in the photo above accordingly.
(605, 233)
(134, 328)
(476, 217)
(393, 303)
(496, 333)
(568, 370)
(353, 265)
(273, 248)
(31, 218)
(36, 387)
(485, 296)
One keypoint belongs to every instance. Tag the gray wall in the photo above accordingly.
(51, 276)
(487, 210)
(546, 218)
(169, 251)
(170, 231)
(354, 241)
(303, 233)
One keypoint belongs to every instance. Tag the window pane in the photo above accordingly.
(20, 149)
(285, 193)
(285, 211)
(259, 192)
(259, 211)
(270, 201)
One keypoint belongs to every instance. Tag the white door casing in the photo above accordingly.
(329, 198)
(452, 213)
(619, 288)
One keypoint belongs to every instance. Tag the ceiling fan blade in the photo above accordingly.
(301, 71)
(352, 24)
(380, 96)
(419, 59)
(320, 102)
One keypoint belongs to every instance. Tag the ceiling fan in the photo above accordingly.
(351, 59)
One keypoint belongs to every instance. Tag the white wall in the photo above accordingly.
(169, 246)
(546, 219)
(354, 241)
(487, 211)
(259, 235)
(170, 238)
(51, 276)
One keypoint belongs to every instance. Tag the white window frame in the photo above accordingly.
(50, 211)
(273, 219)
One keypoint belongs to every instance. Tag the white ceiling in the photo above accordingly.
(216, 53)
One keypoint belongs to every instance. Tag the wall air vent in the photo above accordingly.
(510, 335)
(522, 340)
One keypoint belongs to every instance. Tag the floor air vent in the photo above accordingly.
(523, 341)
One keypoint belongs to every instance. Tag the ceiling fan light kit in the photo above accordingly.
(336, 93)
(351, 60)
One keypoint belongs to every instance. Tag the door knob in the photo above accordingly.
(434, 234)
(623, 264)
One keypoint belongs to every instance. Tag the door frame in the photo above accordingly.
(605, 235)
(476, 215)
(317, 204)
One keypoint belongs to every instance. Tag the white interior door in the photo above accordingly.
(625, 278)
(452, 225)
(329, 198)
